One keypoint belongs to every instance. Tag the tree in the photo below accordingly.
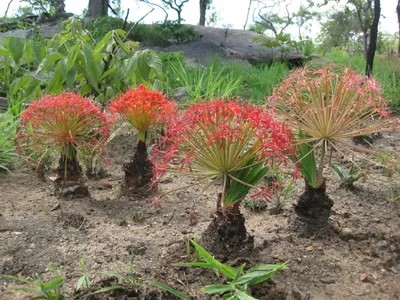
(278, 23)
(157, 5)
(341, 30)
(176, 5)
(97, 8)
(204, 5)
(268, 21)
(364, 13)
(48, 7)
(374, 36)
(248, 13)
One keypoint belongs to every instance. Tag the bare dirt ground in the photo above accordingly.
(360, 260)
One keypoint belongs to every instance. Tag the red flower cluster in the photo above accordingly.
(62, 121)
(217, 138)
(143, 108)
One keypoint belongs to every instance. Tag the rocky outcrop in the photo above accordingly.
(231, 44)
(22, 34)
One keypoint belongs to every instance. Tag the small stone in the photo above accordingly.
(346, 215)
(366, 278)
(104, 185)
(56, 207)
(327, 280)
(123, 223)
(310, 248)
(336, 227)
(346, 232)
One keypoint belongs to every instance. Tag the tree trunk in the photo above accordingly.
(203, 9)
(226, 236)
(398, 20)
(69, 177)
(365, 44)
(247, 15)
(97, 8)
(179, 16)
(373, 38)
(313, 209)
(139, 171)
(60, 7)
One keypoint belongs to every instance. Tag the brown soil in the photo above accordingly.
(359, 259)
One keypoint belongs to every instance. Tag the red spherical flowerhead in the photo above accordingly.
(220, 137)
(143, 108)
(62, 121)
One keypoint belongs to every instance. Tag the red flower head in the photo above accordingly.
(64, 121)
(143, 108)
(219, 138)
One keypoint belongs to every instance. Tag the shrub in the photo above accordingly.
(144, 109)
(228, 142)
(327, 107)
(99, 27)
(163, 34)
(67, 123)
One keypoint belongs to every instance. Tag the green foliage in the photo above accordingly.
(386, 71)
(246, 178)
(352, 175)
(213, 82)
(282, 186)
(74, 62)
(171, 58)
(99, 27)
(163, 34)
(341, 30)
(8, 128)
(305, 156)
(40, 6)
(46, 290)
(130, 281)
(84, 279)
(256, 204)
(262, 79)
(171, 290)
(238, 280)
(18, 59)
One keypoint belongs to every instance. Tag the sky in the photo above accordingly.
(231, 13)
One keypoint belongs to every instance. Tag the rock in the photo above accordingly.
(104, 185)
(327, 280)
(240, 44)
(346, 233)
(310, 248)
(366, 278)
(180, 95)
(237, 45)
(55, 207)
(48, 31)
(22, 34)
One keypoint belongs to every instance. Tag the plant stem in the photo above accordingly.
(142, 136)
(320, 171)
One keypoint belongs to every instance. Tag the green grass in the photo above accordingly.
(386, 71)
(260, 81)
(8, 127)
(229, 80)
(204, 83)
